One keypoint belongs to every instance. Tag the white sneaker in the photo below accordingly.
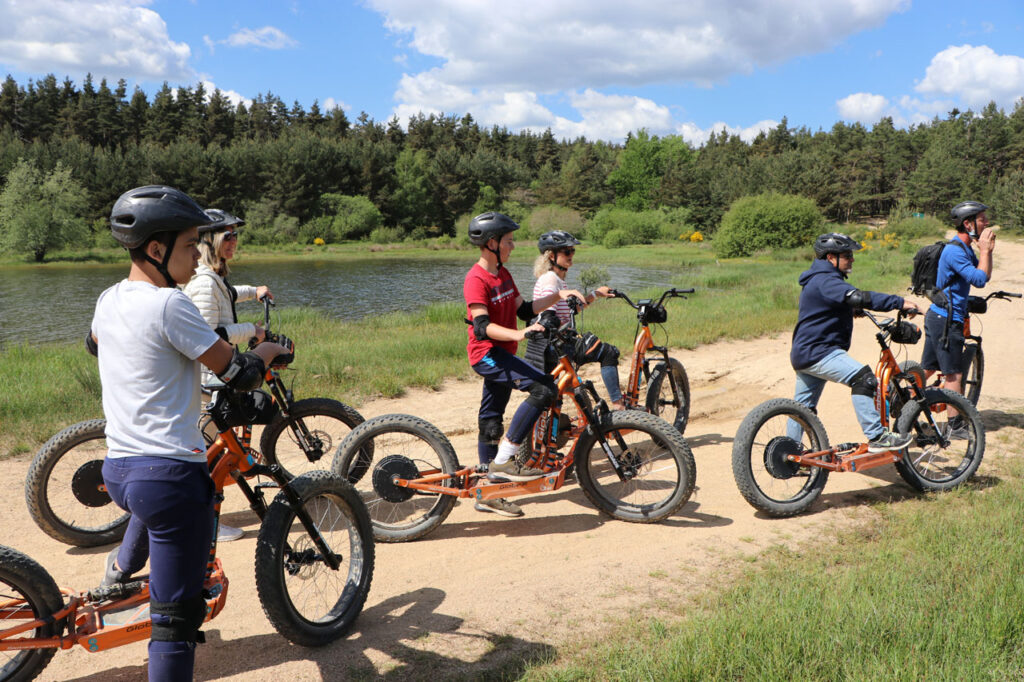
(227, 533)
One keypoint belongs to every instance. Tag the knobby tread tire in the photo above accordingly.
(742, 454)
(304, 409)
(968, 466)
(633, 420)
(38, 589)
(361, 439)
(972, 381)
(658, 376)
(38, 479)
(271, 555)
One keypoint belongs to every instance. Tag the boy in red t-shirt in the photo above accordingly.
(493, 302)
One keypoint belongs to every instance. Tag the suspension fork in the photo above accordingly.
(594, 416)
(330, 558)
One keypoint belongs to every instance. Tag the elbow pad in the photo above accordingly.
(858, 299)
(244, 372)
(90, 345)
(480, 323)
(525, 312)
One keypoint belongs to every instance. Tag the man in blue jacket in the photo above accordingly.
(959, 269)
(822, 335)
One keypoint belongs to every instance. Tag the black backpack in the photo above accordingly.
(926, 271)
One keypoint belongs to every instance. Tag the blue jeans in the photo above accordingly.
(837, 366)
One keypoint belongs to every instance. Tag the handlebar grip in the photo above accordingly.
(677, 292)
(535, 335)
(1011, 295)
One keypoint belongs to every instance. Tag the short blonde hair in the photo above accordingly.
(209, 252)
(543, 263)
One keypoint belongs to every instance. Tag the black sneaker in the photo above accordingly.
(889, 441)
(956, 429)
(498, 505)
(512, 471)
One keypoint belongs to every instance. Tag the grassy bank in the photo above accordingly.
(383, 355)
(932, 590)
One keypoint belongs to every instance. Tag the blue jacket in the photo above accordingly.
(957, 273)
(825, 321)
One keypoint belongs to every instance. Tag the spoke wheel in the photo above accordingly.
(309, 437)
(659, 471)
(27, 592)
(668, 395)
(306, 600)
(933, 461)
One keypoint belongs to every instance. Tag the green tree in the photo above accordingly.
(41, 212)
(767, 221)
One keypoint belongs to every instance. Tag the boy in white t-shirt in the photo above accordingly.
(148, 336)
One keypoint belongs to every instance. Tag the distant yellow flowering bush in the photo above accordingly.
(696, 237)
(319, 241)
(869, 234)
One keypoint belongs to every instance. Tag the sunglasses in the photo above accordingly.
(570, 251)
(230, 235)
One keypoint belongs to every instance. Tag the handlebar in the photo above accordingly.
(670, 293)
(1004, 295)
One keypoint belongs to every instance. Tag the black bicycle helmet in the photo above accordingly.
(222, 220)
(966, 210)
(834, 242)
(490, 225)
(556, 239)
(140, 213)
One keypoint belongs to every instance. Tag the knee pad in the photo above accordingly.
(491, 429)
(542, 393)
(864, 383)
(181, 620)
(609, 355)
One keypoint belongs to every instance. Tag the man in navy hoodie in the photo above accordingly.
(822, 336)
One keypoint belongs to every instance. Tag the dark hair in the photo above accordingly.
(138, 253)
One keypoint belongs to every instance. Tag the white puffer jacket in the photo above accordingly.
(209, 292)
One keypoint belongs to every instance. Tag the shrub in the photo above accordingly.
(634, 227)
(767, 221)
(352, 217)
(915, 228)
(615, 238)
(386, 235)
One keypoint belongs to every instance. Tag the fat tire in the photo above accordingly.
(386, 527)
(23, 575)
(272, 555)
(38, 489)
(301, 410)
(913, 467)
(589, 457)
(743, 456)
(660, 376)
(895, 401)
(973, 371)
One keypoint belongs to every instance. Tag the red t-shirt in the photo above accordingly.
(499, 294)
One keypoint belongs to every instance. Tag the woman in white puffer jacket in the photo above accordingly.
(209, 288)
(215, 297)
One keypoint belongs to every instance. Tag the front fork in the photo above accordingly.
(623, 469)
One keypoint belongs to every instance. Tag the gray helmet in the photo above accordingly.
(834, 242)
(490, 225)
(556, 239)
(222, 220)
(966, 210)
(140, 213)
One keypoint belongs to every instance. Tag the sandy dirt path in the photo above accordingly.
(483, 591)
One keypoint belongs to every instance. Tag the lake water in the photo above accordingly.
(56, 302)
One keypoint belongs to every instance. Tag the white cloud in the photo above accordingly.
(108, 38)
(268, 38)
(499, 61)
(975, 76)
(863, 107)
(330, 103)
(232, 96)
(697, 136)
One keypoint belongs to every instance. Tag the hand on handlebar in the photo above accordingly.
(262, 292)
(910, 309)
(261, 333)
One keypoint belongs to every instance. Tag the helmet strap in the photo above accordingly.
(161, 265)
(496, 252)
(556, 266)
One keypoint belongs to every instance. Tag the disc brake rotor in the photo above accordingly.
(88, 486)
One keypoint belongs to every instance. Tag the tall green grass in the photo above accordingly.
(381, 355)
(931, 591)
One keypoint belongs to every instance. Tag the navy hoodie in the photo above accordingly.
(825, 321)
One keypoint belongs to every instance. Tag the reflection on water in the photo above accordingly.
(55, 302)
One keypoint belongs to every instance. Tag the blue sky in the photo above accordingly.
(596, 68)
